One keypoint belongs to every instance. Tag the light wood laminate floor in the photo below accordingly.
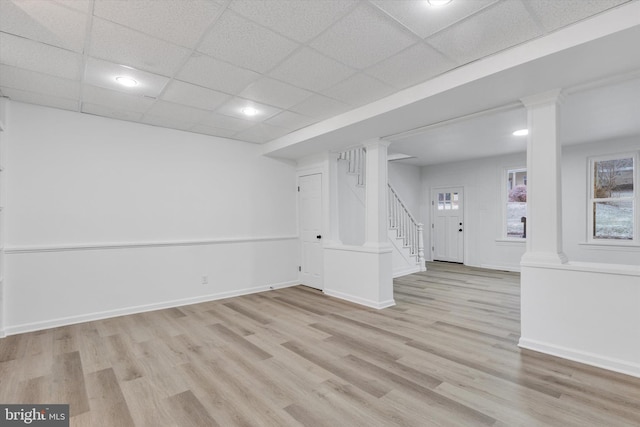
(445, 355)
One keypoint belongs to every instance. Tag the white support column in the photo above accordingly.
(544, 197)
(364, 274)
(376, 214)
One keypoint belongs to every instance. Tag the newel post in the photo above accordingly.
(423, 267)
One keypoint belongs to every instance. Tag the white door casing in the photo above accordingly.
(447, 240)
(310, 220)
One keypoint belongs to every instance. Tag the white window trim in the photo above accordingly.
(590, 200)
(504, 238)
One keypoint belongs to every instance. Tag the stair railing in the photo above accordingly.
(400, 219)
(406, 226)
(356, 158)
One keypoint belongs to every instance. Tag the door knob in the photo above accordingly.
(318, 237)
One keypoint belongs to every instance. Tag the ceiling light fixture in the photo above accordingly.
(126, 81)
(438, 3)
(521, 132)
(249, 111)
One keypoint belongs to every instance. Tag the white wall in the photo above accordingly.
(405, 180)
(105, 216)
(3, 116)
(575, 189)
(586, 312)
(482, 180)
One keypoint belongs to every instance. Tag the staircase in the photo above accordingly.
(356, 159)
(405, 233)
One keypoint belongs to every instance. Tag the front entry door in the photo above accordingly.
(310, 211)
(448, 215)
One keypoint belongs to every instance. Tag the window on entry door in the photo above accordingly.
(448, 201)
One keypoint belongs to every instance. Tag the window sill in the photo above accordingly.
(510, 242)
(610, 246)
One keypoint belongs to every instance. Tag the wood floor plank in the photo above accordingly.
(187, 410)
(148, 407)
(445, 355)
(364, 382)
(108, 405)
(68, 383)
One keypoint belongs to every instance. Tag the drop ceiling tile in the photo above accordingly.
(215, 74)
(19, 78)
(216, 120)
(320, 107)
(79, 5)
(40, 99)
(115, 43)
(363, 37)
(290, 120)
(425, 20)
(178, 22)
(116, 100)
(495, 28)
(241, 42)
(274, 92)
(101, 110)
(46, 22)
(235, 106)
(309, 69)
(414, 65)
(22, 53)
(178, 112)
(299, 20)
(167, 122)
(194, 96)
(359, 89)
(261, 133)
(208, 130)
(104, 73)
(555, 14)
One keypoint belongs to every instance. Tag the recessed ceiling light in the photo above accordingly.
(521, 132)
(438, 3)
(126, 81)
(249, 111)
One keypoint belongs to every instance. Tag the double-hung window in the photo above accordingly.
(612, 210)
(516, 204)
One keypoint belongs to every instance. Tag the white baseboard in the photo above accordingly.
(71, 320)
(359, 300)
(611, 364)
(513, 268)
(406, 271)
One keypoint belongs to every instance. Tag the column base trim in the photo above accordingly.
(361, 301)
(537, 258)
(610, 364)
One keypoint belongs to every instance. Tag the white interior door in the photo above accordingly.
(448, 234)
(310, 211)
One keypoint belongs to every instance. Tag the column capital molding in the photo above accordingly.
(554, 96)
(376, 142)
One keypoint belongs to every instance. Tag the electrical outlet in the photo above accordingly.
(205, 280)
